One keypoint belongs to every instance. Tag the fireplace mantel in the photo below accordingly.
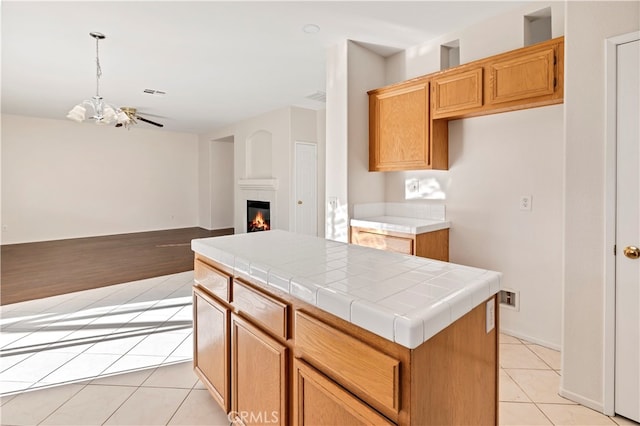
(258, 184)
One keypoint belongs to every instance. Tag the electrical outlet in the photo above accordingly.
(509, 298)
(525, 202)
(333, 203)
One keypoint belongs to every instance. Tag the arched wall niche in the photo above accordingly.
(259, 155)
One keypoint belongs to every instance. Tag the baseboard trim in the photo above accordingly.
(589, 403)
(531, 339)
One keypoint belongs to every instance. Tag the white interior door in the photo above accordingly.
(627, 358)
(306, 189)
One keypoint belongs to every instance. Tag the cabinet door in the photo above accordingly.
(523, 75)
(259, 379)
(318, 401)
(456, 92)
(399, 128)
(211, 346)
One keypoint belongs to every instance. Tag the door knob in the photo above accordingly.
(299, 202)
(632, 252)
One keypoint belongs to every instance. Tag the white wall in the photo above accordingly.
(336, 181)
(62, 179)
(493, 161)
(366, 72)
(221, 183)
(352, 71)
(588, 24)
(282, 128)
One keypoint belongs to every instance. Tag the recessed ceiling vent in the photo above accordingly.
(319, 96)
(154, 92)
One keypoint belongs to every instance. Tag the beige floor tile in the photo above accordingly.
(199, 409)
(518, 356)
(623, 421)
(91, 406)
(541, 386)
(135, 378)
(517, 413)
(509, 390)
(179, 375)
(149, 406)
(505, 338)
(30, 408)
(550, 356)
(574, 415)
(199, 385)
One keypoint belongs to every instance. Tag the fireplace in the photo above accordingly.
(258, 216)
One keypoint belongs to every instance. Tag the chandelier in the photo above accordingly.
(101, 112)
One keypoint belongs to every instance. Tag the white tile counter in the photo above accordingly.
(405, 299)
(407, 225)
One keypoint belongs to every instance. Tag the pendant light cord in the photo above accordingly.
(98, 69)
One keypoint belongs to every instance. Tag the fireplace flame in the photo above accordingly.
(258, 223)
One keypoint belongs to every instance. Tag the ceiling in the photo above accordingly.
(218, 62)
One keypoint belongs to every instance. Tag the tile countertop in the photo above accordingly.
(407, 225)
(405, 299)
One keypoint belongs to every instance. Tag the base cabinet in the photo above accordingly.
(433, 245)
(320, 401)
(268, 358)
(259, 380)
(211, 346)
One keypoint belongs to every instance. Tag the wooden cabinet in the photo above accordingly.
(523, 76)
(456, 92)
(372, 375)
(211, 345)
(259, 379)
(328, 371)
(320, 401)
(399, 127)
(433, 245)
(408, 121)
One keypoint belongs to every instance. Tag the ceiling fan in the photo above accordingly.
(132, 113)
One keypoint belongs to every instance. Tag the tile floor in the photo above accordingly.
(121, 355)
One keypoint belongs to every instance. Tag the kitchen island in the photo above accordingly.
(292, 329)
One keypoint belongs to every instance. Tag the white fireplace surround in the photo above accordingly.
(258, 190)
(258, 184)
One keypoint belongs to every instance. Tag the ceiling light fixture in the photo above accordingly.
(103, 113)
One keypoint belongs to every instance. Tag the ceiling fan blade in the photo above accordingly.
(149, 121)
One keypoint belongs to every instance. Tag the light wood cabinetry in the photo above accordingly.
(372, 375)
(433, 245)
(211, 345)
(528, 77)
(456, 91)
(399, 127)
(524, 75)
(328, 371)
(321, 401)
(259, 380)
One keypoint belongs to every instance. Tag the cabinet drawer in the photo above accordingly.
(362, 369)
(212, 279)
(269, 312)
(382, 241)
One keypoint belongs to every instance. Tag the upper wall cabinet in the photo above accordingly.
(408, 127)
(456, 91)
(399, 127)
(524, 75)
